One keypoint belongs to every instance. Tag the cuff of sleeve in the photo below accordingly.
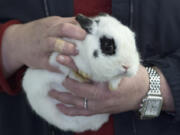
(171, 70)
(12, 85)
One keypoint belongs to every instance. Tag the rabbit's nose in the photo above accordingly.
(125, 67)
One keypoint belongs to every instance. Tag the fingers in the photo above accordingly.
(88, 90)
(62, 59)
(82, 91)
(66, 98)
(45, 65)
(67, 30)
(67, 61)
(61, 46)
(68, 20)
(73, 111)
(65, 49)
(54, 20)
(76, 104)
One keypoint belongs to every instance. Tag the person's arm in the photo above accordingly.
(10, 85)
(9, 64)
(128, 97)
(31, 44)
(170, 68)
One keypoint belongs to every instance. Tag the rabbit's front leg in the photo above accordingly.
(113, 84)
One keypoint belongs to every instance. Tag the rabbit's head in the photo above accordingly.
(110, 48)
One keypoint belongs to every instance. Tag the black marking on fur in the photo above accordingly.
(108, 46)
(95, 53)
(85, 22)
(97, 21)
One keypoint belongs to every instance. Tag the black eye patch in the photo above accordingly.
(107, 45)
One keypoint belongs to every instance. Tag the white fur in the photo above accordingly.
(38, 82)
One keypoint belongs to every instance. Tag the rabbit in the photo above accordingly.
(107, 54)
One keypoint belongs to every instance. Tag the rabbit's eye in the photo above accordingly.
(107, 45)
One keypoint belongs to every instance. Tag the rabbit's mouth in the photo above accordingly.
(85, 22)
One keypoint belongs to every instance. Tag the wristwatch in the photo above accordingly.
(151, 105)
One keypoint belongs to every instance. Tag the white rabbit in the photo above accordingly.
(107, 54)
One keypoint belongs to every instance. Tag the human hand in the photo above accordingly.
(31, 44)
(100, 99)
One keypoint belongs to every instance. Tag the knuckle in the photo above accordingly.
(63, 28)
(51, 43)
(51, 21)
(56, 18)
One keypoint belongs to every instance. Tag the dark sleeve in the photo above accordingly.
(11, 85)
(170, 67)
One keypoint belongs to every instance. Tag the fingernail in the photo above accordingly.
(60, 106)
(51, 93)
(76, 51)
(70, 48)
(61, 58)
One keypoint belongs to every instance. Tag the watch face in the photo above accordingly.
(153, 106)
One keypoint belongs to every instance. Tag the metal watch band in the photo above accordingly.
(154, 82)
(152, 103)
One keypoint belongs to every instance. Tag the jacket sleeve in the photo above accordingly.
(170, 67)
(11, 85)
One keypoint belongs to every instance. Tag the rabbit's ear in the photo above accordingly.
(85, 22)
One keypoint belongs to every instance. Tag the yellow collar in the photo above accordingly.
(84, 77)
